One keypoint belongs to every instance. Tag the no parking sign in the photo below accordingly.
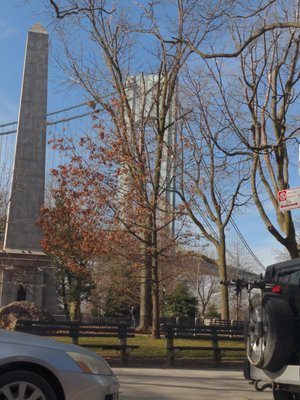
(289, 199)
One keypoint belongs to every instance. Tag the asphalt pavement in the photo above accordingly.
(186, 384)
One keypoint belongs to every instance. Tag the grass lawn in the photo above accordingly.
(156, 348)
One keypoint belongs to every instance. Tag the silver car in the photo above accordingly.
(35, 368)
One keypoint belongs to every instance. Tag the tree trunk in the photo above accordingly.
(155, 298)
(65, 302)
(293, 250)
(145, 294)
(204, 307)
(77, 312)
(223, 276)
(291, 246)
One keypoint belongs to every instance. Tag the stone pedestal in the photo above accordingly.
(27, 276)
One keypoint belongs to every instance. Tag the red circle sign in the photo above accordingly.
(282, 195)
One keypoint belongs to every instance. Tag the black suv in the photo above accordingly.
(272, 324)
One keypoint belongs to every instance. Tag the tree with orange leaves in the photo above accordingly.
(73, 238)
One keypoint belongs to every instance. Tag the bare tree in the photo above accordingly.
(256, 90)
(207, 287)
(266, 92)
(211, 184)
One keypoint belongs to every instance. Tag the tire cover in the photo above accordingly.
(270, 332)
(283, 395)
(279, 395)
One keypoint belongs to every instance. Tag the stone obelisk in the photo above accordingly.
(24, 265)
(27, 195)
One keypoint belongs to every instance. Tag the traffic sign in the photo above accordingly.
(289, 199)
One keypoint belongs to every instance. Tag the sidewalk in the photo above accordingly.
(179, 384)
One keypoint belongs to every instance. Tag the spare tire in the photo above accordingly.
(283, 395)
(280, 395)
(270, 332)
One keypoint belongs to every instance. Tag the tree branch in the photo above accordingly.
(61, 14)
(243, 46)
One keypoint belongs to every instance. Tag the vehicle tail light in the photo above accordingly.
(277, 289)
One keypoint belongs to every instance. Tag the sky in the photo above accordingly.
(16, 18)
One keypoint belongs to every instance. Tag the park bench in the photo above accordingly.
(77, 330)
(218, 337)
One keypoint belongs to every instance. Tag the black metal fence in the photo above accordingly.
(89, 318)
(182, 321)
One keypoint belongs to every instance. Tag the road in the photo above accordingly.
(187, 384)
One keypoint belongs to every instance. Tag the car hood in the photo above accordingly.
(34, 340)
